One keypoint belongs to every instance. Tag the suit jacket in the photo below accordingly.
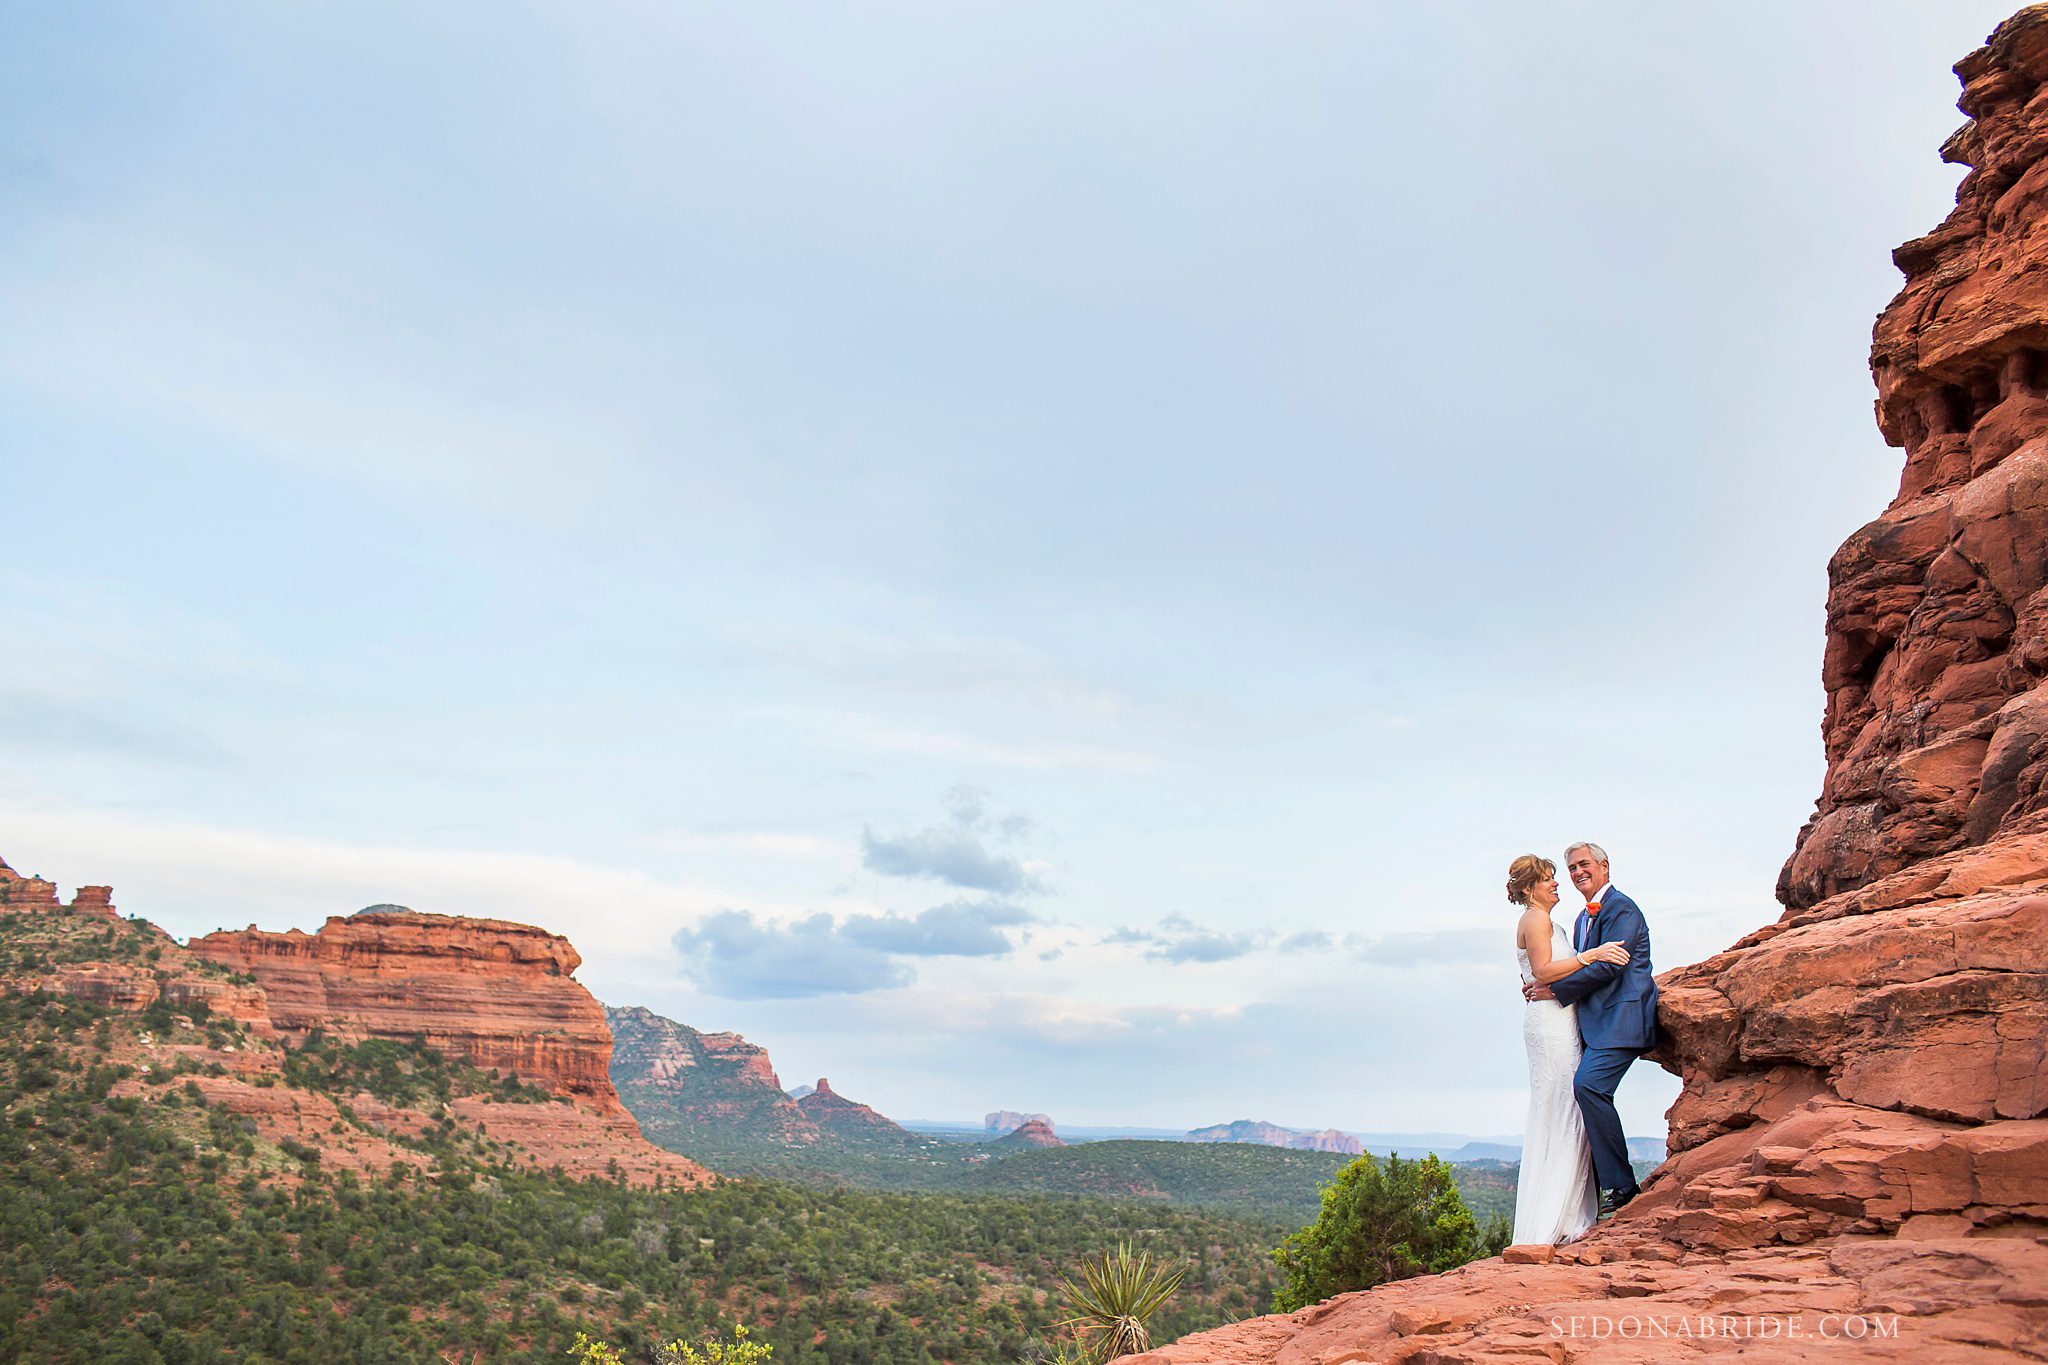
(1617, 1005)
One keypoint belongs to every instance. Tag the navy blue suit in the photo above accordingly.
(1617, 1022)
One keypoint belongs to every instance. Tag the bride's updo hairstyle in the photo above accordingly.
(1523, 873)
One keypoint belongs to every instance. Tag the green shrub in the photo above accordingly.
(1379, 1222)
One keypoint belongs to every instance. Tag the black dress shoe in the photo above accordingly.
(1612, 1201)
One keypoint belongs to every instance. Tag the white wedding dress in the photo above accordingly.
(1555, 1199)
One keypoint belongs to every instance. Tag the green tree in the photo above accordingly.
(1379, 1222)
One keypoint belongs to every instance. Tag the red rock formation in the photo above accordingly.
(25, 893)
(1325, 1140)
(1009, 1121)
(831, 1110)
(1936, 727)
(1035, 1131)
(1273, 1135)
(1862, 1126)
(490, 992)
(19, 893)
(714, 1080)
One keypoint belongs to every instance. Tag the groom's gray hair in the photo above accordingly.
(1599, 853)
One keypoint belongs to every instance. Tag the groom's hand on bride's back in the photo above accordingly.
(1533, 991)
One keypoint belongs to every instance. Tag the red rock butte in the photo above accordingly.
(19, 893)
(1033, 1132)
(829, 1109)
(488, 992)
(1860, 1135)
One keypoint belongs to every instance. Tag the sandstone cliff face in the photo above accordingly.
(1936, 727)
(717, 1082)
(1864, 1123)
(490, 993)
(486, 992)
(29, 894)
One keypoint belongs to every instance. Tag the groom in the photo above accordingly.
(1617, 1013)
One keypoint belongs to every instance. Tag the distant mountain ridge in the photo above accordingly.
(719, 1094)
(1273, 1135)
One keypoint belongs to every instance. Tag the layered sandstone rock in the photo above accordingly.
(1936, 727)
(689, 1084)
(1863, 1130)
(23, 894)
(115, 963)
(1035, 1131)
(491, 993)
(19, 893)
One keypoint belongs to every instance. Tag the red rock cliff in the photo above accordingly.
(490, 992)
(19, 893)
(677, 1075)
(1861, 1130)
(1937, 728)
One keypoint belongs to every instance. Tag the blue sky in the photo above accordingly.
(1023, 557)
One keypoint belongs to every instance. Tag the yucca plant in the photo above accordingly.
(1117, 1294)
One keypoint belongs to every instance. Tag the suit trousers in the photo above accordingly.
(1599, 1075)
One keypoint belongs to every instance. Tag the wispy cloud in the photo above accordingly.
(1179, 939)
(948, 854)
(955, 929)
(733, 954)
(955, 851)
(738, 955)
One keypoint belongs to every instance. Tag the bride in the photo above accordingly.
(1555, 1199)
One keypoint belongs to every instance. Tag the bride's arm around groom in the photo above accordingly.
(1615, 999)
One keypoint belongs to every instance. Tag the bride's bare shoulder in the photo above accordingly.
(1527, 925)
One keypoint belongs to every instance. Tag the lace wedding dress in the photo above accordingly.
(1555, 1199)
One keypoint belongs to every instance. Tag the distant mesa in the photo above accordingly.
(830, 1110)
(386, 908)
(799, 1091)
(1035, 1131)
(1009, 1121)
(1273, 1135)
